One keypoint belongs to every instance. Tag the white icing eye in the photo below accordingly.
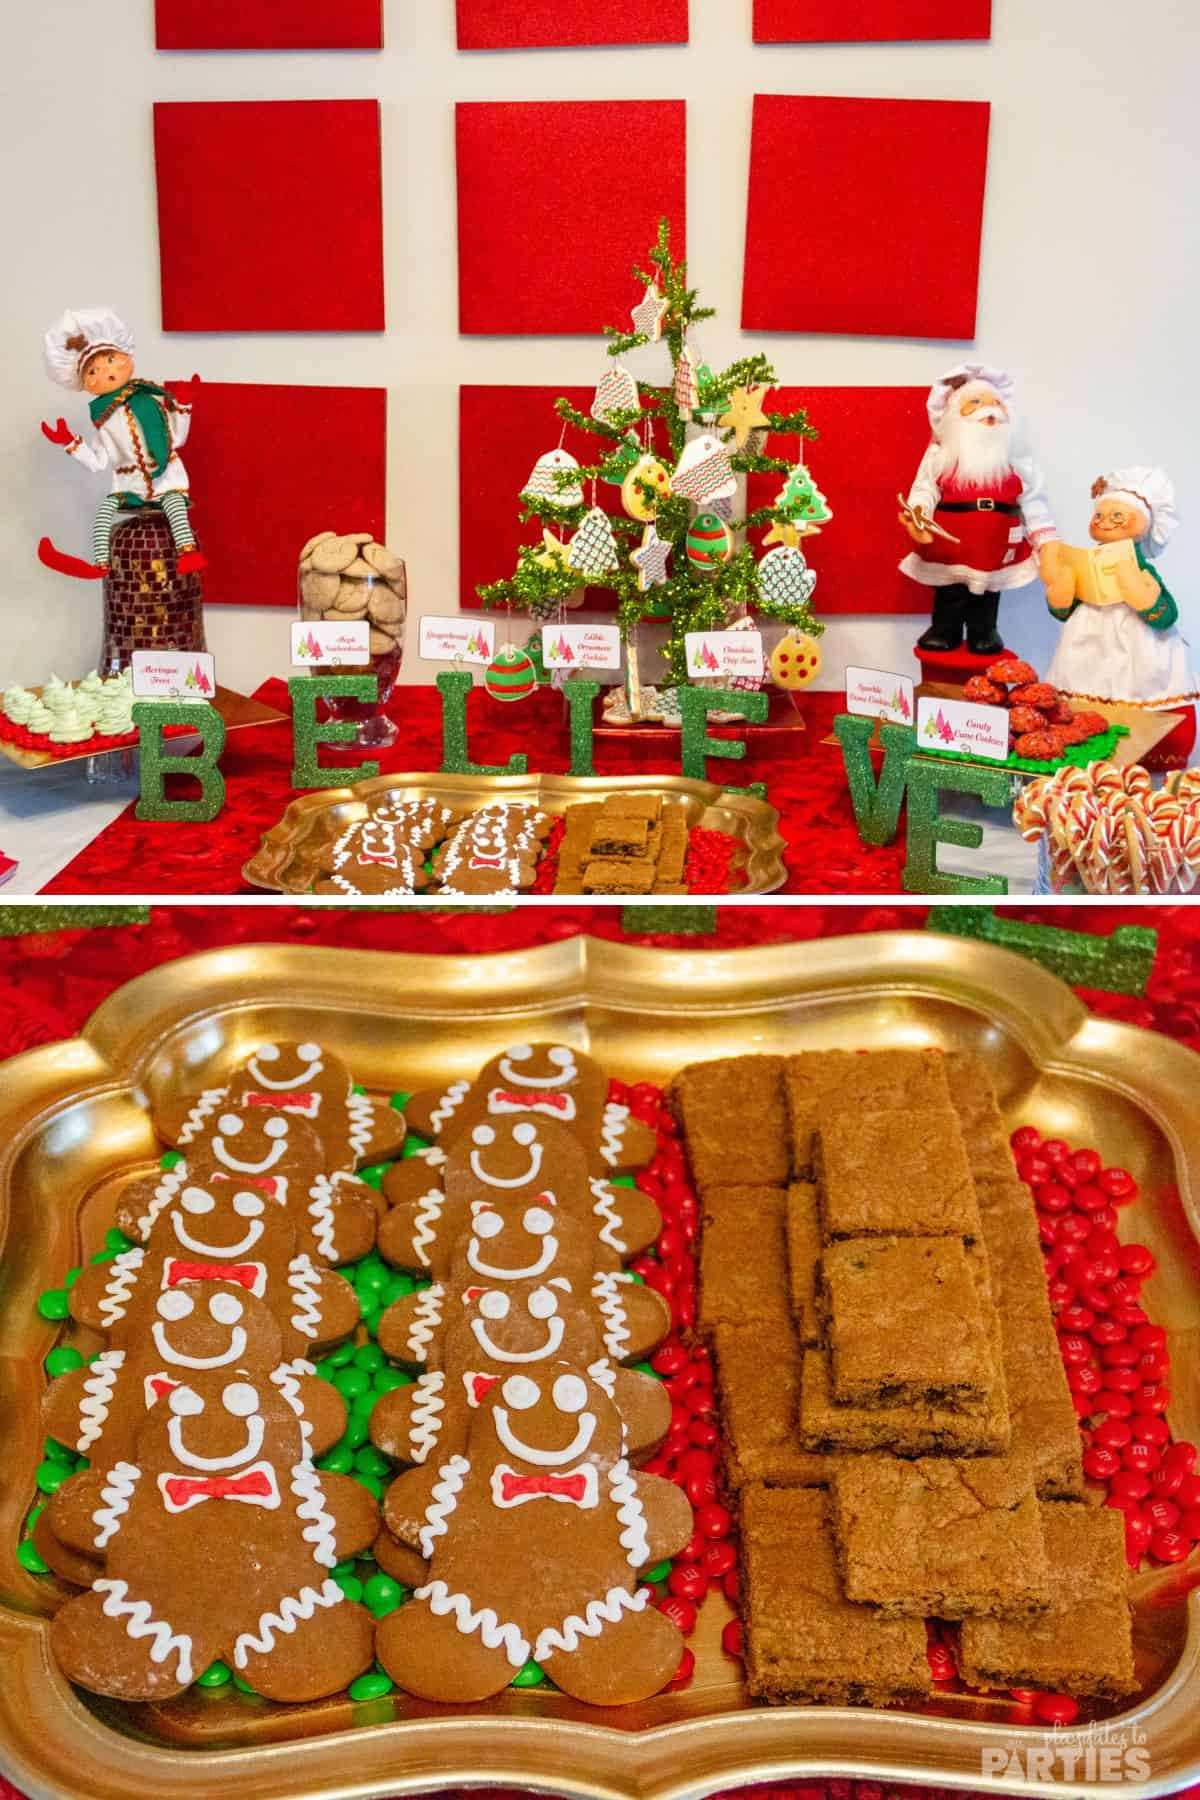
(240, 1399)
(489, 1225)
(570, 1393)
(520, 1053)
(174, 1305)
(308, 1052)
(561, 1057)
(195, 1200)
(520, 1393)
(248, 1206)
(184, 1403)
(275, 1128)
(493, 1305)
(538, 1221)
(483, 1134)
(230, 1124)
(542, 1304)
(267, 1053)
(226, 1309)
(524, 1133)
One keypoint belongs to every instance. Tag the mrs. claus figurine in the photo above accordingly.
(976, 511)
(1119, 638)
(140, 429)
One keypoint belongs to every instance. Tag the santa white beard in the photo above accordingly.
(976, 450)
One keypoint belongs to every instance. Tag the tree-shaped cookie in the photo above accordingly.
(301, 1079)
(218, 1542)
(335, 1213)
(537, 1539)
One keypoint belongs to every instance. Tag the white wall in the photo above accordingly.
(1090, 271)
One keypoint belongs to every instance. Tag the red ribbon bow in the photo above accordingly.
(182, 1491)
(248, 1275)
(512, 1488)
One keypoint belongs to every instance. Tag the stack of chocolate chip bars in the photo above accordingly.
(899, 1437)
(626, 844)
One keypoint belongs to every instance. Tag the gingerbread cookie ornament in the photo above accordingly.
(218, 1543)
(539, 1081)
(545, 1486)
(301, 1079)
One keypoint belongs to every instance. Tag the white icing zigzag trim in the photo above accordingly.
(449, 1104)
(97, 1395)
(116, 1494)
(320, 1211)
(425, 1422)
(122, 1279)
(140, 1622)
(630, 1513)
(360, 1109)
(606, 1292)
(427, 1316)
(293, 1609)
(163, 1195)
(602, 1374)
(597, 1615)
(612, 1132)
(205, 1106)
(484, 1620)
(286, 1378)
(606, 1209)
(429, 1211)
(320, 1532)
(305, 1283)
(446, 1489)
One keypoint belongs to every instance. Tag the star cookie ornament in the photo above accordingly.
(554, 553)
(795, 661)
(704, 472)
(784, 577)
(545, 489)
(745, 414)
(594, 548)
(649, 313)
(651, 560)
(654, 474)
(617, 393)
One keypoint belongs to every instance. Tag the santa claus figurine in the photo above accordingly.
(976, 511)
(140, 429)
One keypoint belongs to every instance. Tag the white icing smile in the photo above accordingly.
(223, 1252)
(274, 1155)
(238, 1396)
(544, 1459)
(554, 1337)
(237, 1344)
(489, 1224)
(270, 1053)
(483, 1135)
(560, 1056)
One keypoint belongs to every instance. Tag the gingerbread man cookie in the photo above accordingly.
(303, 1080)
(218, 1542)
(335, 1213)
(509, 1165)
(495, 851)
(425, 822)
(372, 856)
(539, 1081)
(546, 1485)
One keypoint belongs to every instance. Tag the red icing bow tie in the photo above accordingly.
(578, 1488)
(251, 1276)
(279, 1103)
(533, 1101)
(384, 858)
(478, 1385)
(266, 1184)
(256, 1487)
(486, 862)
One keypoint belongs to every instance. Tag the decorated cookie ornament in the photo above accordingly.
(510, 675)
(709, 543)
(647, 472)
(373, 856)
(539, 1081)
(745, 417)
(594, 548)
(649, 313)
(795, 661)
(704, 472)
(616, 394)
(302, 1079)
(686, 385)
(544, 486)
(545, 1485)
(784, 577)
(650, 560)
(219, 1542)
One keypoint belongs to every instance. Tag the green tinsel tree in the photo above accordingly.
(692, 598)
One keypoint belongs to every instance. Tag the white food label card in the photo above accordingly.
(874, 694)
(581, 646)
(963, 729)
(324, 644)
(716, 653)
(457, 640)
(173, 675)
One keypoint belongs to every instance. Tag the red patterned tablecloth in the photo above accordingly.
(804, 778)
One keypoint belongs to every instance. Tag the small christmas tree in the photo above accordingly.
(670, 477)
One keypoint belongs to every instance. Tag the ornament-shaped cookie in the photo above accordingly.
(546, 1485)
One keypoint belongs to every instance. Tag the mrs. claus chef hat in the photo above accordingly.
(78, 335)
(1153, 493)
(954, 379)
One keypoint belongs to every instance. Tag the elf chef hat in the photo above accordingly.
(78, 335)
(1153, 493)
(941, 391)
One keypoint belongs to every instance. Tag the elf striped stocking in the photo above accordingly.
(175, 507)
(102, 531)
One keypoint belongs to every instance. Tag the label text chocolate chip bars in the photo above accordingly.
(520, 1427)
(899, 1435)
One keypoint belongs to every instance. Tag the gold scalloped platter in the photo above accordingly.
(71, 1114)
(285, 862)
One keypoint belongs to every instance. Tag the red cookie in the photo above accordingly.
(546, 1486)
(1094, 722)
(218, 1543)
(1042, 746)
(1035, 693)
(1026, 718)
(983, 691)
(1062, 712)
(1011, 672)
(544, 1080)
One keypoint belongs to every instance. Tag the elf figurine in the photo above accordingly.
(1119, 640)
(976, 511)
(139, 431)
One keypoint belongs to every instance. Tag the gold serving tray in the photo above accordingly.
(237, 710)
(70, 1115)
(285, 861)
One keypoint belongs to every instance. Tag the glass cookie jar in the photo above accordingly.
(349, 578)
